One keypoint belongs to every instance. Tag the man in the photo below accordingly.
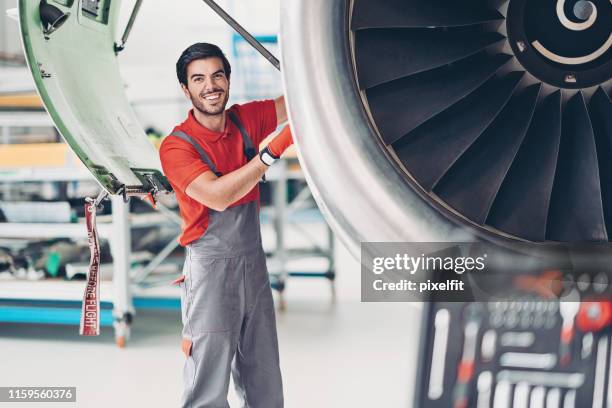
(212, 164)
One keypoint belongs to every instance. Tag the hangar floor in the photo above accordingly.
(347, 354)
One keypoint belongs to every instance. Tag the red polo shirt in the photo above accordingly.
(182, 164)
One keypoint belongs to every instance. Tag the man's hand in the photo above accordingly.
(281, 142)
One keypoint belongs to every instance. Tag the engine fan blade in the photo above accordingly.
(521, 206)
(431, 149)
(419, 13)
(576, 209)
(386, 55)
(472, 183)
(601, 117)
(400, 106)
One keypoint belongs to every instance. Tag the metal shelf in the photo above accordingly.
(51, 315)
(58, 290)
(42, 296)
(32, 174)
(283, 213)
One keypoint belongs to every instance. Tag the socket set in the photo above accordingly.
(525, 348)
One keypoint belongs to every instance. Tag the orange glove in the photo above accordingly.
(281, 142)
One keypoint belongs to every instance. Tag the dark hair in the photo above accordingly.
(200, 51)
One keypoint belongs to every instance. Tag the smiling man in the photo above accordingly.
(212, 164)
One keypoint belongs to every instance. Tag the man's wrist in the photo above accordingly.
(267, 157)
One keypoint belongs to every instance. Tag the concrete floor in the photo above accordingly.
(347, 354)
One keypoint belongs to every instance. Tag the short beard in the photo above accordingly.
(199, 105)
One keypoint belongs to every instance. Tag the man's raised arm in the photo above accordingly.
(219, 193)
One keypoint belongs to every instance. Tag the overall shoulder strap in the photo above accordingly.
(249, 150)
(182, 135)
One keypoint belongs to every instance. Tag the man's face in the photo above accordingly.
(207, 86)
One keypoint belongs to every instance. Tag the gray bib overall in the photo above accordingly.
(228, 310)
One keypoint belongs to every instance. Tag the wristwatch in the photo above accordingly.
(267, 157)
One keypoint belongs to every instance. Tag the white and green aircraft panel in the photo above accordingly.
(76, 72)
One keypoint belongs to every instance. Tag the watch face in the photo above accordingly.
(267, 158)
